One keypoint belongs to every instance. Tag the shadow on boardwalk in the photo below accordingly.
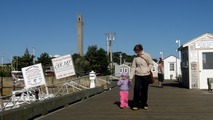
(117, 103)
(168, 83)
(168, 103)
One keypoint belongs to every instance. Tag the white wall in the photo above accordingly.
(155, 69)
(117, 70)
(121, 68)
(177, 70)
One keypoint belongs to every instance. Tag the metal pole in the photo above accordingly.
(111, 52)
(179, 51)
(111, 56)
(176, 69)
(17, 64)
(107, 45)
(1, 93)
(33, 55)
(110, 38)
(179, 56)
(161, 53)
(120, 58)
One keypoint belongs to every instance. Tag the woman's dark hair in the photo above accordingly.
(138, 47)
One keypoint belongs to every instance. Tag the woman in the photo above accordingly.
(141, 67)
(160, 73)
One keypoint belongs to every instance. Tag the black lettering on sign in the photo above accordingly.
(58, 66)
(67, 63)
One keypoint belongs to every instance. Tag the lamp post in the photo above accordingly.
(179, 56)
(34, 55)
(1, 85)
(161, 53)
(120, 56)
(110, 37)
(178, 42)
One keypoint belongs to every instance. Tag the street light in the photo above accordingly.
(110, 37)
(178, 42)
(161, 53)
(120, 56)
(179, 56)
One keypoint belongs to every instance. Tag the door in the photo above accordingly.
(205, 67)
(172, 70)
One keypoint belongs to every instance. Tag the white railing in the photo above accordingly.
(27, 96)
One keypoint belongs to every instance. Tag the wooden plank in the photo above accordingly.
(168, 103)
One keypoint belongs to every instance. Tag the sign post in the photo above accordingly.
(63, 67)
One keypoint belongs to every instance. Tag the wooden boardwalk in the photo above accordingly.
(168, 103)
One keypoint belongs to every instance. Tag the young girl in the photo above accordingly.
(124, 84)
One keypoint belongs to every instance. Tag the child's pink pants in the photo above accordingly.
(124, 98)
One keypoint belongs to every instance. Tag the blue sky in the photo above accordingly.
(50, 25)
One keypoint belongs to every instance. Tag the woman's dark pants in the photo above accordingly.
(141, 91)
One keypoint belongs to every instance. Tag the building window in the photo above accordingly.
(207, 60)
(153, 68)
(121, 70)
(172, 66)
(125, 70)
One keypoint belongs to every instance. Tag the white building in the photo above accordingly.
(172, 68)
(121, 68)
(155, 69)
(197, 61)
(126, 68)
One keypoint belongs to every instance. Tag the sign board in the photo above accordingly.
(33, 76)
(63, 66)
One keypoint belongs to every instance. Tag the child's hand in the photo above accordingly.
(122, 83)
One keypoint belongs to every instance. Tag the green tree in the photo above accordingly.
(91, 57)
(102, 62)
(24, 61)
(5, 71)
(125, 57)
(16, 62)
(75, 56)
(45, 60)
(81, 65)
(154, 59)
(97, 60)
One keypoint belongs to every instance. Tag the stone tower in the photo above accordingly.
(80, 25)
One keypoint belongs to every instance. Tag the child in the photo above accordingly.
(124, 84)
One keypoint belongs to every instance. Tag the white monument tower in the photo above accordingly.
(80, 25)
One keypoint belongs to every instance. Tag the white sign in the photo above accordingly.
(63, 66)
(33, 76)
